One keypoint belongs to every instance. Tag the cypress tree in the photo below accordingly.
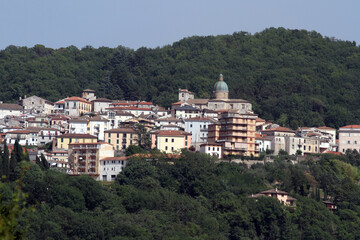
(13, 164)
(5, 162)
(18, 151)
(44, 162)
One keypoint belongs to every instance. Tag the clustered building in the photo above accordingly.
(89, 135)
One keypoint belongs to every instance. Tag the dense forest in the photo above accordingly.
(293, 77)
(191, 197)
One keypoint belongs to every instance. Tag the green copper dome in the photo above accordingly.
(221, 86)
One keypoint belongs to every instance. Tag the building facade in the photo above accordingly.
(235, 132)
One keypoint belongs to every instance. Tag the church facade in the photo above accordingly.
(220, 100)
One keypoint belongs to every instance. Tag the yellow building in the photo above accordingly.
(235, 132)
(170, 141)
(121, 138)
(63, 141)
(75, 106)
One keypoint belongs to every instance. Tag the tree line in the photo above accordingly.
(190, 197)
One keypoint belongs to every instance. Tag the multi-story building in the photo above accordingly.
(349, 138)
(78, 125)
(97, 127)
(84, 158)
(121, 138)
(110, 167)
(198, 127)
(63, 141)
(279, 138)
(75, 106)
(212, 149)
(236, 133)
(170, 141)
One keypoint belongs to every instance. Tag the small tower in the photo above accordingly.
(88, 94)
(221, 90)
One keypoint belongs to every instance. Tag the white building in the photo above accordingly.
(117, 117)
(100, 105)
(262, 142)
(24, 137)
(79, 126)
(213, 149)
(110, 167)
(7, 109)
(198, 127)
(98, 126)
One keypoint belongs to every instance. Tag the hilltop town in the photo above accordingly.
(90, 135)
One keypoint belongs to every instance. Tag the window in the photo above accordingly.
(109, 135)
(355, 142)
(166, 140)
(62, 140)
(172, 140)
(117, 135)
(109, 141)
(166, 148)
(349, 142)
(172, 148)
(191, 125)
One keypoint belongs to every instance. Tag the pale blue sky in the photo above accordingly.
(153, 23)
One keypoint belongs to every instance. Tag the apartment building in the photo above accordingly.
(84, 158)
(236, 133)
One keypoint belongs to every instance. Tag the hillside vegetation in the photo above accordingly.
(294, 77)
(191, 198)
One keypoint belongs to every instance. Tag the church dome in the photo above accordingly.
(221, 86)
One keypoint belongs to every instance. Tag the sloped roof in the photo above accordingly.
(77, 135)
(326, 128)
(351, 126)
(101, 100)
(279, 129)
(10, 106)
(120, 130)
(170, 133)
(74, 98)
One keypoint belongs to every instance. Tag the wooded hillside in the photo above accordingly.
(295, 77)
